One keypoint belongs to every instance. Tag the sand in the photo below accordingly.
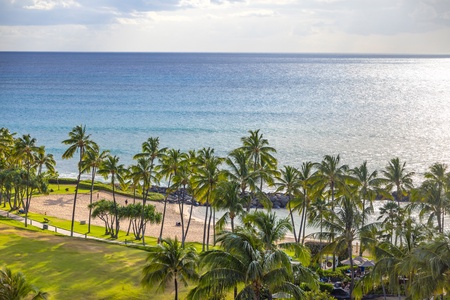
(61, 206)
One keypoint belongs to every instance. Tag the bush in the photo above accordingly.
(315, 295)
(326, 287)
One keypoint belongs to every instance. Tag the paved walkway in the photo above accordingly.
(53, 228)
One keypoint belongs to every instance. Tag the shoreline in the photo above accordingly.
(61, 206)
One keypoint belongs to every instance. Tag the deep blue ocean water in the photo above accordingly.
(363, 107)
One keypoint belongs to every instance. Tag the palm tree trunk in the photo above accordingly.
(209, 226)
(189, 220)
(116, 215)
(90, 200)
(181, 209)
(204, 225)
(164, 210)
(292, 220)
(300, 228)
(75, 202)
(176, 286)
(352, 272)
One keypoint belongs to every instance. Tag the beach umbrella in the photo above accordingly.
(368, 263)
(357, 261)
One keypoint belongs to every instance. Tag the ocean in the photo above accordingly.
(363, 107)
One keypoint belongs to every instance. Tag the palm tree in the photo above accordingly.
(170, 164)
(367, 188)
(306, 174)
(6, 143)
(240, 171)
(47, 160)
(433, 196)
(78, 141)
(391, 215)
(331, 175)
(259, 151)
(320, 210)
(169, 263)
(243, 265)
(395, 175)
(205, 182)
(430, 265)
(14, 286)
(93, 159)
(182, 184)
(144, 171)
(388, 258)
(111, 168)
(289, 182)
(25, 150)
(344, 228)
(228, 198)
(268, 228)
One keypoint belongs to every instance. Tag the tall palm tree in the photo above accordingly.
(110, 168)
(433, 194)
(169, 263)
(306, 174)
(331, 175)
(92, 161)
(25, 150)
(320, 210)
(182, 184)
(289, 182)
(345, 227)
(205, 182)
(78, 141)
(367, 187)
(14, 286)
(259, 151)
(395, 175)
(143, 172)
(147, 159)
(391, 215)
(171, 162)
(240, 170)
(258, 148)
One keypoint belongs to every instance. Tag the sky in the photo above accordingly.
(292, 26)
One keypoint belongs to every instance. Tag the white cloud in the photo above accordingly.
(51, 4)
(226, 25)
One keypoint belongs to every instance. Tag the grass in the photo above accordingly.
(73, 268)
(85, 188)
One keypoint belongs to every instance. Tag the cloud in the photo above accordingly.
(51, 4)
(223, 25)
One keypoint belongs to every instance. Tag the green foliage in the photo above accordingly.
(14, 286)
(315, 295)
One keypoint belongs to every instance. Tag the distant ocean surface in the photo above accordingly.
(363, 107)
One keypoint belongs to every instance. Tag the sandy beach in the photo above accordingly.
(61, 206)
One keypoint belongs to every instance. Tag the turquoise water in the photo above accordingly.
(363, 107)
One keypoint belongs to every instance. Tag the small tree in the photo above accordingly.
(168, 263)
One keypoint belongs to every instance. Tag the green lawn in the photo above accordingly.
(72, 268)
